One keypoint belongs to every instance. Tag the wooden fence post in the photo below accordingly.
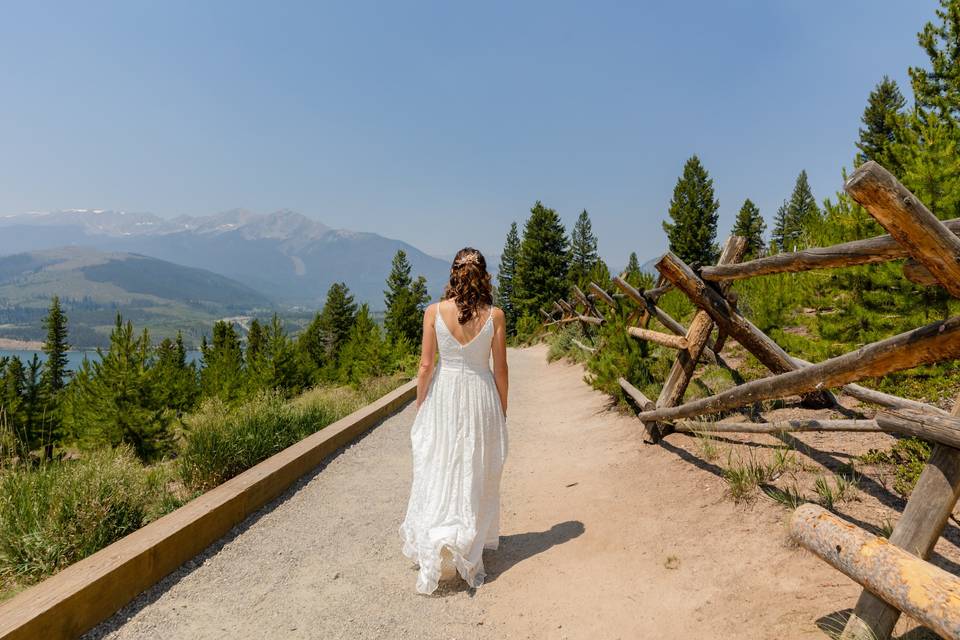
(917, 531)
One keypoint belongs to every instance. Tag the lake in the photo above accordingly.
(75, 357)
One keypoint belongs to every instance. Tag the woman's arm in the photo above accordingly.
(499, 348)
(428, 352)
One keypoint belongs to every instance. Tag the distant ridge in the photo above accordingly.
(285, 255)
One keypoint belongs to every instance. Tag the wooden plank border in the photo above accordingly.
(76, 599)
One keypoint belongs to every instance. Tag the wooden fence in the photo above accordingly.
(894, 573)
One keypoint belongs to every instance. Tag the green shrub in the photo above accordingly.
(529, 329)
(223, 441)
(61, 512)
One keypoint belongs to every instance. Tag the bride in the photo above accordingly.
(459, 435)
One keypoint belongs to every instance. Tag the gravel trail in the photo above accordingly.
(602, 537)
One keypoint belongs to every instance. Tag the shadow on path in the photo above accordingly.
(520, 546)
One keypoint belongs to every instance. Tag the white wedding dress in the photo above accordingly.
(459, 440)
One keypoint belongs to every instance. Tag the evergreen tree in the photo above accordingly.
(255, 340)
(583, 250)
(751, 226)
(938, 89)
(929, 163)
(114, 399)
(402, 319)
(693, 210)
(541, 271)
(600, 273)
(632, 273)
(222, 372)
(883, 121)
(11, 401)
(506, 276)
(55, 347)
(322, 340)
(363, 354)
(175, 379)
(277, 367)
(783, 235)
(802, 209)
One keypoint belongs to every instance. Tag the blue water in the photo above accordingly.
(76, 357)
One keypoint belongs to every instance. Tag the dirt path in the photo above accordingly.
(603, 538)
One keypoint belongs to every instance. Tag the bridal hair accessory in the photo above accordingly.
(470, 258)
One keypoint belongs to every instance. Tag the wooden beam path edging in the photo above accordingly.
(87, 592)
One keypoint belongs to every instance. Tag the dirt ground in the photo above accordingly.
(603, 537)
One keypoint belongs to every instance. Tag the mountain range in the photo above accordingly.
(285, 256)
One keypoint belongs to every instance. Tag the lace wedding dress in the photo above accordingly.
(459, 440)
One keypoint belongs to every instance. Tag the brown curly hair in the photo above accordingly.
(470, 284)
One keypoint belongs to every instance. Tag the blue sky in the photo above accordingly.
(438, 123)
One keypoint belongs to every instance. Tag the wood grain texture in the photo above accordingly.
(665, 339)
(931, 343)
(917, 531)
(909, 222)
(925, 592)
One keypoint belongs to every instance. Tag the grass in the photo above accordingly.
(222, 442)
(56, 513)
(61, 512)
(906, 457)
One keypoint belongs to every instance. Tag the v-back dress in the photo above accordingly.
(459, 442)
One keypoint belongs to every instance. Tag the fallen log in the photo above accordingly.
(777, 426)
(873, 250)
(921, 525)
(588, 319)
(665, 339)
(923, 591)
(932, 343)
(909, 222)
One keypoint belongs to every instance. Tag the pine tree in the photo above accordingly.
(929, 163)
(751, 226)
(541, 271)
(782, 235)
(330, 328)
(255, 340)
(583, 250)
(222, 372)
(506, 276)
(693, 209)
(401, 319)
(632, 273)
(175, 379)
(277, 368)
(114, 398)
(55, 347)
(11, 401)
(883, 122)
(938, 89)
(802, 208)
(363, 354)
